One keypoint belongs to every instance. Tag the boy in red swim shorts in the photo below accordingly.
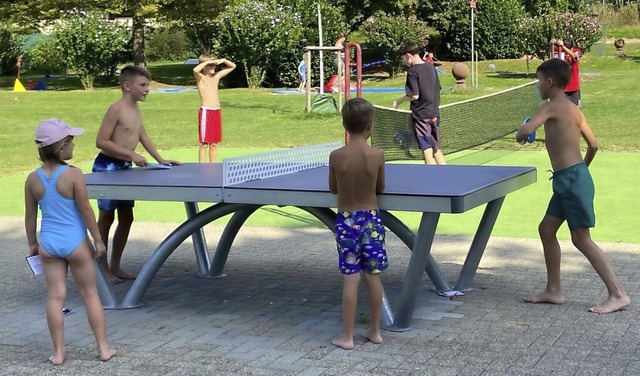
(209, 118)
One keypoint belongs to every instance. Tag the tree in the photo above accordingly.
(257, 35)
(43, 12)
(10, 44)
(385, 33)
(90, 44)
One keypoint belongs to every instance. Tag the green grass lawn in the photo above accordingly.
(256, 120)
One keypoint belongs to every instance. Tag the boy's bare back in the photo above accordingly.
(357, 171)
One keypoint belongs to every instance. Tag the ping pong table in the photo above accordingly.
(430, 190)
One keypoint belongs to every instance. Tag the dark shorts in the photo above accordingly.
(427, 132)
(360, 240)
(104, 162)
(574, 96)
(573, 193)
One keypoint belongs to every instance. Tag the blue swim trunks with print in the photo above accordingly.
(360, 241)
(104, 162)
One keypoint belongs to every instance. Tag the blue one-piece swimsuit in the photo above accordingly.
(62, 228)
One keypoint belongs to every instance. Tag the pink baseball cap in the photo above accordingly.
(51, 131)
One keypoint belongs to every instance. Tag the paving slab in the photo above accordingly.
(279, 306)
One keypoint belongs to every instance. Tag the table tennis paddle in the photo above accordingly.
(156, 166)
(532, 136)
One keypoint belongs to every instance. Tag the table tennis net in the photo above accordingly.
(464, 125)
(240, 169)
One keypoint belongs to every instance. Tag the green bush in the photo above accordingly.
(541, 7)
(333, 23)
(495, 30)
(44, 57)
(495, 27)
(9, 50)
(90, 44)
(536, 32)
(167, 44)
(258, 36)
(386, 33)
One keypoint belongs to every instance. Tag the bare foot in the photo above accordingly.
(343, 342)
(108, 354)
(612, 304)
(56, 360)
(113, 279)
(121, 274)
(373, 337)
(545, 297)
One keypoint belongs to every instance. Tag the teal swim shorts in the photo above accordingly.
(573, 193)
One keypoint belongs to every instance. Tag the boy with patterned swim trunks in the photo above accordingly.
(573, 189)
(209, 117)
(356, 174)
(120, 133)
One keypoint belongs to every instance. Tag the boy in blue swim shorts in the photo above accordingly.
(120, 133)
(356, 175)
(104, 162)
(573, 189)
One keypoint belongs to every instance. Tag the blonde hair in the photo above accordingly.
(52, 152)
(204, 57)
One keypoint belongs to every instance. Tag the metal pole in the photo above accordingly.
(477, 58)
(321, 56)
(473, 73)
(307, 61)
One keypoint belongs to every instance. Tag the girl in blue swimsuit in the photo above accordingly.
(59, 191)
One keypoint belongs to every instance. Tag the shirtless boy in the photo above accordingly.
(119, 134)
(209, 117)
(356, 174)
(573, 189)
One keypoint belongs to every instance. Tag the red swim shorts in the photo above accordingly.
(209, 125)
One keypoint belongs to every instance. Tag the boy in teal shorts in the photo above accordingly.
(356, 174)
(573, 189)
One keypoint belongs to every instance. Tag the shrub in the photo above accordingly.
(258, 36)
(496, 33)
(333, 23)
(44, 57)
(167, 44)
(386, 33)
(90, 44)
(495, 24)
(536, 32)
(9, 50)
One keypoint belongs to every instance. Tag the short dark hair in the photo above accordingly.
(557, 70)
(568, 42)
(357, 113)
(130, 71)
(410, 48)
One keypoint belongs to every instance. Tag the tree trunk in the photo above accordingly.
(139, 59)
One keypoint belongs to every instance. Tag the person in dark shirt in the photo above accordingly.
(423, 91)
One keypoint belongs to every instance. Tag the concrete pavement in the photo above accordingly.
(277, 309)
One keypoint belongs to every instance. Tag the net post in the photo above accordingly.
(307, 61)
